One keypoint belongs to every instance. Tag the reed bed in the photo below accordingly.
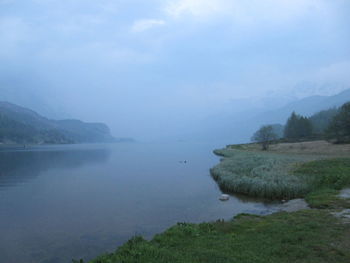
(261, 174)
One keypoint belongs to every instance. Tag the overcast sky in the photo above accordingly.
(138, 64)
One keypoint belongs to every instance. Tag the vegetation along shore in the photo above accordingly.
(286, 171)
(315, 170)
(296, 164)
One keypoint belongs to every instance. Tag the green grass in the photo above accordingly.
(304, 236)
(326, 198)
(332, 173)
(327, 177)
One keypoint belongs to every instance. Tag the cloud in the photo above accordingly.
(5, 2)
(81, 23)
(152, 57)
(13, 32)
(194, 7)
(146, 24)
(334, 73)
(96, 53)
(242, 11)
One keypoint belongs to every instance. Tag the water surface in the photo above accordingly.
(78, 201)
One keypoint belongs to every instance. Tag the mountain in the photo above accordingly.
(22, 125)
(307, 107)
(239, 126)
(30, 98)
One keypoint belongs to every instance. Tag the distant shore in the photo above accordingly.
(13, 146)
(21, 146)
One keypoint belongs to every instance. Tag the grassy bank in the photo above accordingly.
(280, 175)
(306, 236)
(260, 174)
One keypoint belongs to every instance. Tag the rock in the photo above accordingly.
(294, 205)
(224, 197)
(344, 215)
(345, 193)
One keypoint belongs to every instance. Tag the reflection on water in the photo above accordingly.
(80, 201)
(20, 166)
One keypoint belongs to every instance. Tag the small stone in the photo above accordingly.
(224, 197)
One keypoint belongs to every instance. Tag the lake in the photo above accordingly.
(78, 201)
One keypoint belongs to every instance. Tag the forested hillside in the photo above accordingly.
(22, 125)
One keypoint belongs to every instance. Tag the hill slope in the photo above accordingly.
(22, 125)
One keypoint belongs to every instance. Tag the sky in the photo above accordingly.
(151, 67)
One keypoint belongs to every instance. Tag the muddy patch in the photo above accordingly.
(344, 215)
(294, 205)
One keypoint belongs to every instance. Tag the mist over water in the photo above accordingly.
(169, 69)
(180, 77)
(64, 202)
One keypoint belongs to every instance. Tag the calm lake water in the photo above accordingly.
(78, 201)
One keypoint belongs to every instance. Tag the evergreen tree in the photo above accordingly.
(339, 128)
(321, 120)
(305, 127)
(297, 127)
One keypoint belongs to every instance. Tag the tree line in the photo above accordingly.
(332, 124)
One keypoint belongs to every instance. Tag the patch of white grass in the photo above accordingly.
(260, 174)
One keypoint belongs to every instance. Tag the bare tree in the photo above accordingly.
(264, 136)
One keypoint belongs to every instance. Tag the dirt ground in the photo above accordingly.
(313, 147)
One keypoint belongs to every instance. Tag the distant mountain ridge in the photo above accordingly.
(22, 125)
(306, 106)
(238, 127)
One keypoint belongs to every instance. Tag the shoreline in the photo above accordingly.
(279, 237)
(14, 146)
